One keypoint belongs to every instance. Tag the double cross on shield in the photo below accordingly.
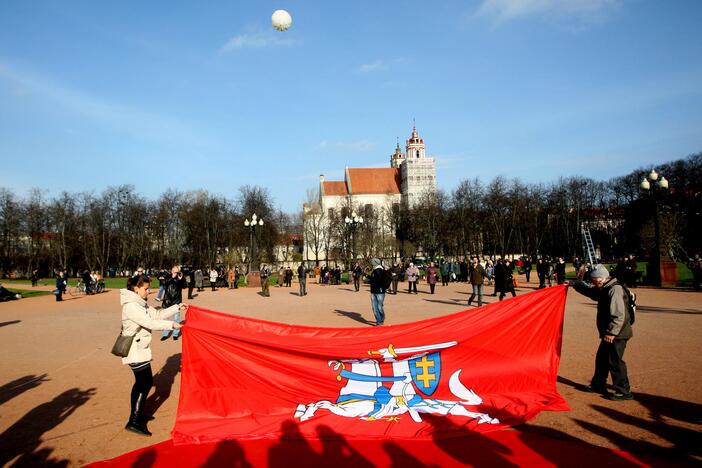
(426, 372)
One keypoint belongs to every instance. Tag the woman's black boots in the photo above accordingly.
(136, 418)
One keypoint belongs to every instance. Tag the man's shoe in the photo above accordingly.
(621, 396)
(164, 338)
(175, 338)
(600, 390)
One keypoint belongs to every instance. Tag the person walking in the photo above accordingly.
(173, 295)
(162, 277)
(302, 279)
(432, 276)
(527, 268)
(230, 277)
(199, 279)
(379, 281)
(499, 273)
(412, 274)
(614, 328)
(541, 272)
(237, 275)
(139, 320)
(507, 280)
(60, 286)
(560, 270)
(35, 278)
(395, 277)
(357, 273)
(191, 283)
(476, 276)
(265, 273)
(213, 279)
(444, 270)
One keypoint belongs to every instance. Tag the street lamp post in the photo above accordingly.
(662, 269)
(352, 223)
(253, 277)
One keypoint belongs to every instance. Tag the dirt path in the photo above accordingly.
(63, 396)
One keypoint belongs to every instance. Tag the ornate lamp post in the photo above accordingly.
(662, 269)
(253, 278)
(352, 224)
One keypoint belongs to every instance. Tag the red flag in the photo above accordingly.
(480, 370)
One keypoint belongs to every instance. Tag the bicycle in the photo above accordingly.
(77, 290)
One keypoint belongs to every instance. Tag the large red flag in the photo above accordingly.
(478, 370)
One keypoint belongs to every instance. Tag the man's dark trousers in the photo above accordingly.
(609, 359)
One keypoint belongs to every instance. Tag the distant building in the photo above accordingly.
(381, 190)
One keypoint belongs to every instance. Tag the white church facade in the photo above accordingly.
(410, 176)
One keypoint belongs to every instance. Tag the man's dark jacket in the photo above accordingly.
(379, 281)
(173, 291)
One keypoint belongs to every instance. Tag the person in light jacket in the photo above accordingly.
(139, 320)
(412, 275)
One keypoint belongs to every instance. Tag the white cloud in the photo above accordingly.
(371, 67)
(358, 145)
(257, 40)
(505, 10)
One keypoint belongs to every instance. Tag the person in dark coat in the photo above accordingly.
(507, 280)
(527, 268)
(379, 281)
(541, 272)
(614, 327)
(499, 275)
(357, 273)
(476, 275)
(432, 277)
(560, 270)
(60, 286)
(173, 294)
(302, 279)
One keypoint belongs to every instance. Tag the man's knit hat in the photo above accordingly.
(599, 272)
(375, 262)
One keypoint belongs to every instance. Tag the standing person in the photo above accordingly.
(35, 278)
(357, 273)
(412, 275)
(464, 271)
(60, 286)
(395, 272)
(199, 279)
(577, 264)
(191, 283)
(527, 268)
(489, 271)
(162, 277)
(236, 277)
(541, 272)
(560, 270)
(302, 278)
(289, 277)
(507, 280)
(173, 295)
(432, 276)
(87, 282)
(139, 320)
(499, 273)
(630, 268)
(614, 327)
(231, 278)
(444, 270)
(476, 275)
(378, 285)
(265, 273)
(213, 278)
(695, 265)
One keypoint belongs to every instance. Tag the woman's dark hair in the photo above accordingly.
(138, 281)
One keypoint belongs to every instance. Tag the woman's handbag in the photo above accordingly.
(123, 344)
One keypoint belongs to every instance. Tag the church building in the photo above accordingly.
(410, 175)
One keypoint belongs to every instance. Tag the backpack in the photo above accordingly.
(631, 304)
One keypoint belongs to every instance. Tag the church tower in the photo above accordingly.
(398, 157)
(417, 171)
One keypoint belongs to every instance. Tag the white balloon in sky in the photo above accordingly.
(281, 20)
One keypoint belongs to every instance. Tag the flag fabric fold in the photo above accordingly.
(477, 370)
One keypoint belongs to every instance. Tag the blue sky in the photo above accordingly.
(208, 95)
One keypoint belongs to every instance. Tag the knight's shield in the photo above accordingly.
(426, 372)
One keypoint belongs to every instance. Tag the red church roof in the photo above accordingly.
(375, 180)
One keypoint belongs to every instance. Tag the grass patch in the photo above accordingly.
(29, 293)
